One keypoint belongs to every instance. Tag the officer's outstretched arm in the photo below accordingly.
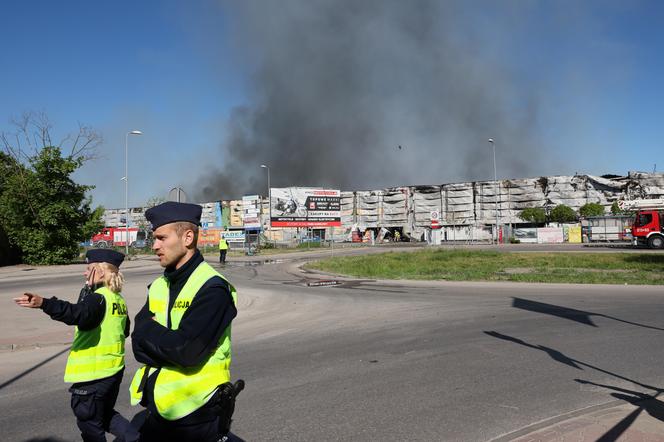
(29, 300)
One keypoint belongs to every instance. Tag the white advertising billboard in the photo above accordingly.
(305, 207)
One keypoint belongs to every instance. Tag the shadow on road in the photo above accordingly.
(575, 315)
(33, 368)
(643, 401)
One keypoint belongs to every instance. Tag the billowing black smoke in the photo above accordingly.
(370, 94)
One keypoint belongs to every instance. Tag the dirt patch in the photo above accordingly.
(517, 271)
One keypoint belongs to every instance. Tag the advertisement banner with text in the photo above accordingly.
(305, 207)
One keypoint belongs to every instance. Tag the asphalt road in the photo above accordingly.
(373, 360)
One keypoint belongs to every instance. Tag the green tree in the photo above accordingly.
(43, 212)
(533, 214)
(563, 214)
(591, 209)
(9, 254)
(615, 209)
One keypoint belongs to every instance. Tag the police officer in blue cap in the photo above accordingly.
(182, 335)
(96, 361)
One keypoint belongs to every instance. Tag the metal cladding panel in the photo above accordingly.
(533, 197)
(572, 195)
(605, 184)
(387, 210)
(459, 200)
(425, 189)
(395, 196)
(347, 205)
(460, 193)
(368, 221)
(573, 203)
(520, 191)
(653, 190)
(647, 178)
(427, 196)
(520, 205)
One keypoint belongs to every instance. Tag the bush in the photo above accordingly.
(615, 209)
(563, 214)
(267, 245)
(591, 209)
(533, 214)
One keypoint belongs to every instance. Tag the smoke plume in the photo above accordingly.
(370, 94)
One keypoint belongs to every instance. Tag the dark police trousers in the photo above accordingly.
(222, 255)
(93, 402)
(210, 423)
(158, 429)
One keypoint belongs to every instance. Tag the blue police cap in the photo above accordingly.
(104, 255)
(172, 212)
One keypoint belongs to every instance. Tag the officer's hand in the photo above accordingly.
(29, 300)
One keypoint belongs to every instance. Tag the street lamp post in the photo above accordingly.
(269, 196)
(126, 178)
(495, 180)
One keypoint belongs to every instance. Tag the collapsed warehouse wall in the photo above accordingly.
(367, 207)
(423, 201)
(459, 204)
(394, 207)
(645, 185)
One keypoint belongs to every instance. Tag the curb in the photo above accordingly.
(532, 428)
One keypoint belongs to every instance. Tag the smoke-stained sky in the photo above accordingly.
(369, 94)
(324, 91)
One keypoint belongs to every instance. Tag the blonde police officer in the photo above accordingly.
(96, 361)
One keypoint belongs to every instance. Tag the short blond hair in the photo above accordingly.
(113, 279)
(183, 226)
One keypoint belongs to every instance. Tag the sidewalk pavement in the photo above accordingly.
(622, 420)
(29, 271)
(36, 271)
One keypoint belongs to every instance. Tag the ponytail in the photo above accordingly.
(113, 279)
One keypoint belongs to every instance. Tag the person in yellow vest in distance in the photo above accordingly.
(223, 248)
(182, 335)
(96, 361)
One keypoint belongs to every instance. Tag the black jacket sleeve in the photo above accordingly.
(198, 334)
(143, 317)
(86, 314)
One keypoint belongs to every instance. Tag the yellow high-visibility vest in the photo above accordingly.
(180, 391)
(223, 244)
(99, 353)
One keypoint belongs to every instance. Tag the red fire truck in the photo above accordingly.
(648, 226)
(117, 236)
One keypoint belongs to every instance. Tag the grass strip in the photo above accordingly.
(477, 265)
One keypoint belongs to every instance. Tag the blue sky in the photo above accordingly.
(175, 70)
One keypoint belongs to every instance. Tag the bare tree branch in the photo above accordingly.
(14, 151)
(86, 142)
(35, 129)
